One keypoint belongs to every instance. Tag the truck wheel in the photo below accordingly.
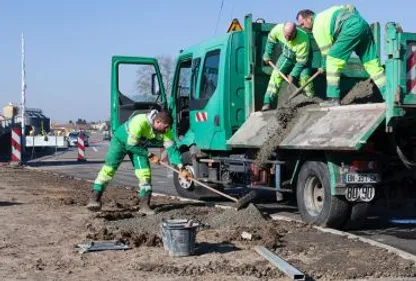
(315, 202)
(359, 212)
(187, 188)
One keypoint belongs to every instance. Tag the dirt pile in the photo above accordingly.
(363, 91)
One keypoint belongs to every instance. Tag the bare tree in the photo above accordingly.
(167, 69)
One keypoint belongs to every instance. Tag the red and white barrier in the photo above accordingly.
(81, 149)
(16, 146)
(411, 68)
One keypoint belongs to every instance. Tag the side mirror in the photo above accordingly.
(155, 85)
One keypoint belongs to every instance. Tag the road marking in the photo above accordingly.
(95, 149)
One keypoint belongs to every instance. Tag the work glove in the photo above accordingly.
(321, 70)
(185, 174)
(154, 159)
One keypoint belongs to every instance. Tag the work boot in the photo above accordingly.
(145, 206)
(266, 107)
(95, 201)
(330, 102)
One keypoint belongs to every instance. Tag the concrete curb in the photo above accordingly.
(391, 249)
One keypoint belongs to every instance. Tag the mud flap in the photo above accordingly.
(323, 128)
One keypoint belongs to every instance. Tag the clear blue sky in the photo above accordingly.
(69, 44)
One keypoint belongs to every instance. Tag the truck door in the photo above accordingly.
(205, 105)
(136, 87)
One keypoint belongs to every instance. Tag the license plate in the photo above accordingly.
(365, 193)
(360, 178)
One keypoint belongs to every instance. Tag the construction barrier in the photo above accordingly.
(81, 149)
(16, 146)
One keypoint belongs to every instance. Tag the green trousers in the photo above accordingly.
(285, 65)
(117, 152)
(355, 35)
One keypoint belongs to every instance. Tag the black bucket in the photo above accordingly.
(178, 237)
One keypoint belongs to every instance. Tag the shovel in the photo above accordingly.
(239, 203)
(292, 88)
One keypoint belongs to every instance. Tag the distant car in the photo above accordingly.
(73, 138)
(106, 135)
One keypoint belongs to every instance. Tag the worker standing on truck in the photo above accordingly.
(294, 60)
(132, 138)
(339, 31)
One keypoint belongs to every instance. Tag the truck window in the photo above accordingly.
(195, 70)
(135, 82)
(184, 82)
(210, 74)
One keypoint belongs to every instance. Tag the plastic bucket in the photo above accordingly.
(178, 237)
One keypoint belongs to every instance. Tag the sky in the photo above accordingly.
(69, 44)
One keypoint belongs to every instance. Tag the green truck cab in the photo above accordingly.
(337, 160)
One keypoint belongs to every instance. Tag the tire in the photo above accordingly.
(192, 191)
(315, 202)
(359, 212)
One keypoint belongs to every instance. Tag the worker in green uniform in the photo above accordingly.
(338, 31)
(294, 60)
(132, 138)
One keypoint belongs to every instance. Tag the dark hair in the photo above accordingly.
(305, 13)
(164, 117)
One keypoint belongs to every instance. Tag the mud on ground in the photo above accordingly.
(43, 217)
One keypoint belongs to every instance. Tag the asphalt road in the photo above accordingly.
(396, 228)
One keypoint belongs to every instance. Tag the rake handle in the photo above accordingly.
(200, 183)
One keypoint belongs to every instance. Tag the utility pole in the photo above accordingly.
(23, 105)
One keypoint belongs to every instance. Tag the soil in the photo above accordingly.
(44, 216)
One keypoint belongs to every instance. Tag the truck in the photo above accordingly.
(337, 160)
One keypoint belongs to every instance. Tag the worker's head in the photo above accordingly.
(289, 30)
(305, 18)
(162, 122)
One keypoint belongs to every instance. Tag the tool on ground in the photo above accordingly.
(101, 246)
(280, 263)
(239, 203)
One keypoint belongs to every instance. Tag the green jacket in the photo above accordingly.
(327, 25)
(298, 49)
(140, 133)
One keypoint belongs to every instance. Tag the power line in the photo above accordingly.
(219, 16)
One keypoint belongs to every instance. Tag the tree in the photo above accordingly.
(70, 122)
(167, 69)
(81, 121)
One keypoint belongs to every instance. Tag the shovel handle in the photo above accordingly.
(200, 183)
(278, 71)
(304, 85)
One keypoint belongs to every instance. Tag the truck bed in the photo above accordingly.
(332, 128)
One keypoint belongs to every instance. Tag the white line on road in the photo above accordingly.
(94, 148)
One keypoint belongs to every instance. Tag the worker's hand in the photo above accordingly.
(266, 62)
(154, 159)
(290, 79)
(185, 174)
(321, 70)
